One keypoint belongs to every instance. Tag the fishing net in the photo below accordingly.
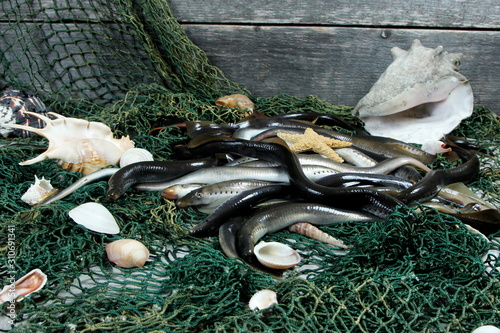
(433, 275)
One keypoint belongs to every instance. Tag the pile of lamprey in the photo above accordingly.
(263, 174)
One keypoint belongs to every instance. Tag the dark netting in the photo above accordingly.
(427, 276)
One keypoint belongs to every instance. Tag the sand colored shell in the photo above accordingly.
(263, 299)
(95, 217)
(127, 253)
(29, 283)
(420, 97)
(236, 100)
(77, 144)
(311, 231)
(276, 255)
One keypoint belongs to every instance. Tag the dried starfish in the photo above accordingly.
(311, 140)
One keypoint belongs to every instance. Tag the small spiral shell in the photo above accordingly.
(311, 231)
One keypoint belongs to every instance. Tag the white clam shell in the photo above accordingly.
(276, 255)
(263, 299)
(95, 217)
(38, 191)
(127, 253)
(134, 155)
(487, 329)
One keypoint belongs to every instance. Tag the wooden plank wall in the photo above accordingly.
(336, 49)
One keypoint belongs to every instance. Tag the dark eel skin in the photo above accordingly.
(368, 200)
(340, 179)
(435, 180)
(152, 172)
(239, 204)
(282, 215)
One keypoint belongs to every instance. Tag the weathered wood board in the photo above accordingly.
(335, 49)
(338, 49)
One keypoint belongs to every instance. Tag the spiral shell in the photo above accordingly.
(276, 255)
(127, 253)
(77, 144)
(38, 191)
(134, 155)
(236, 100)
(311, 231)
(263, 299)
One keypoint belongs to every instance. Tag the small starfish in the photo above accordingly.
(311, 140)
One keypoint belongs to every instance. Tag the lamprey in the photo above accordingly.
(280, 216)
(237, 205)
(367, 200)
(152, 171)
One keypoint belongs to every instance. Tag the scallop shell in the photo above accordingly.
(311, 231)
(38, 191)
(134, 155)
(95, 217)
(276, 255)
(77, 144)
(127, 253)
(420, 97)
(29, 283)
(263, 299)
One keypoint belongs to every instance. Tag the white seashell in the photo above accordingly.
(77, 144)
(263, 299)
(311, 231)
(435, 147)
(134, 155)
(487, 329)
(29, 283)
(127, 253)
(276, 255)
(420, 97)
(38, 191)
(95, 217)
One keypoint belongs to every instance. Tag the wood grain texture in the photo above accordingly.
(338, 64)
(412, 13)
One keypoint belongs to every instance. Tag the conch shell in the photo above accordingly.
(38, 191)
(420, 97)
(127, 253)
(29, 283)
(77, 144)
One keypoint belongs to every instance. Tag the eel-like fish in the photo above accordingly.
(432, 182)
(240, 204)
(280, 216)
(152, 171)
(376, 203)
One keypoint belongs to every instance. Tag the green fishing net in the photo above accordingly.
(434, 275)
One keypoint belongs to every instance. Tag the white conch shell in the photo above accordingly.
(311, 231)
(38, 191)
(127, 253)
(134, 155)
(276, 255)
(263, 299)
(95, 217)
(420, 97)
(29, 283)
(77, 144)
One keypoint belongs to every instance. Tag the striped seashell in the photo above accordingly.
(311, 231)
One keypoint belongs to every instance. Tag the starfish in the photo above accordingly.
(311, 140)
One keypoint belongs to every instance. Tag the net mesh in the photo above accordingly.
(427, 276)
